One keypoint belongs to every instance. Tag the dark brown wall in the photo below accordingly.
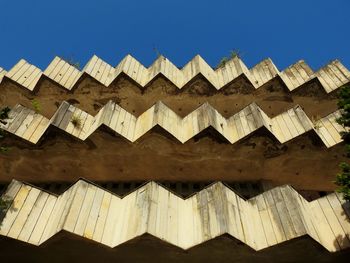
(304, 162)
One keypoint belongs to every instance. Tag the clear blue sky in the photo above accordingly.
(286, 31)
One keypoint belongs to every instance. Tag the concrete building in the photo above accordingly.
(194, 164)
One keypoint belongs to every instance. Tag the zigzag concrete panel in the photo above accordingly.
(31, 126)
(86, 210)
(331, 76)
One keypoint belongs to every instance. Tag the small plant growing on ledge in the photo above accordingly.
(76, 121)
(316, 122)
(4, 203)
(233, 54)
(222, 62)
(36, 105)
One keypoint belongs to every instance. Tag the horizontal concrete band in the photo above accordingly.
(87, 210)
(331, 76)
(31, 126)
